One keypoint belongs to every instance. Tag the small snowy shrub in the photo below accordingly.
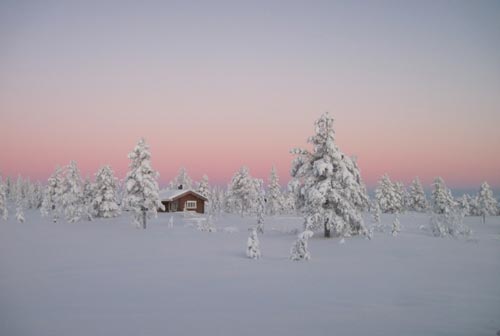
(253, 249)
(20, 213)
(450, 223)
(299, 249)
(206, 225)
(396, 227)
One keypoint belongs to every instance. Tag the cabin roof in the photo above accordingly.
(170, 195)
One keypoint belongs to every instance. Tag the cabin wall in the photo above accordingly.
(181, 202)
(200, 204)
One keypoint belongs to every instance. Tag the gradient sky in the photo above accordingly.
(414, 86)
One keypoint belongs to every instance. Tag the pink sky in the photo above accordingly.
(414, 91)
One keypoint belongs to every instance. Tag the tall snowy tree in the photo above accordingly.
(20, 204)
(52, 195)
(463, 204)
(328, 184)
(442, 200)
(243, 191)
(72, 194)
(87, 199)
(389, 195)
(105, 200)
(274, 197)
(8, 188)
(417, 200)
(141, 186)
(182, 180)
(487, 204)
(204, 188)
(4, 212)
(216, 203)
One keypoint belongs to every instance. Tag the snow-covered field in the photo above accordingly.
(108, 278)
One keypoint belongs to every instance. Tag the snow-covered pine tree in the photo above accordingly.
(182, 180)
(487, 204)
(376, 213)
(274, 195)
(53, 192)
(8, 188)
(71, 199)
(105, 199)
(20, 208)
(243, 192)
(389, 195)
(442, 200)
(402, 195)
(253, 248)
(141, 186)
(417, 200)
(88, 211)
(261, 208)
(4, 212)
(204, 188)
(473, 205)
(327, 184)
(216, 201)
(463, 204)
(299, 250)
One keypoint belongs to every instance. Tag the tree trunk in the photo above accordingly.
(484, 218)
(144, 219)
(327, 229)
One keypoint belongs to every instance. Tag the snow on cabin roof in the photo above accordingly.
(170, 195)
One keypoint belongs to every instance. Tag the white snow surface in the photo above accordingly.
(106, 277)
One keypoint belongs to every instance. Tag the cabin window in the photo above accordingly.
(190, 204)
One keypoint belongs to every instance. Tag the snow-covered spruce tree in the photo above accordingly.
(71, 199)
(182, 180)
(204, 188)
(253, 248)
(36, 196)
(141, 186)
(88, 211)
(8, 188)
(389, 195)
(20, 208)
(487, 204)
(473, 205)
(274, 195)
(376, 213)
(299, 250)
(4, 212)
(51, 203)
(402, 195)
(105, 199)
(261, 208)
(442, 200)
(217, 201)
(328, 186)
(417, 200)
(243, 192)
(463, 204)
